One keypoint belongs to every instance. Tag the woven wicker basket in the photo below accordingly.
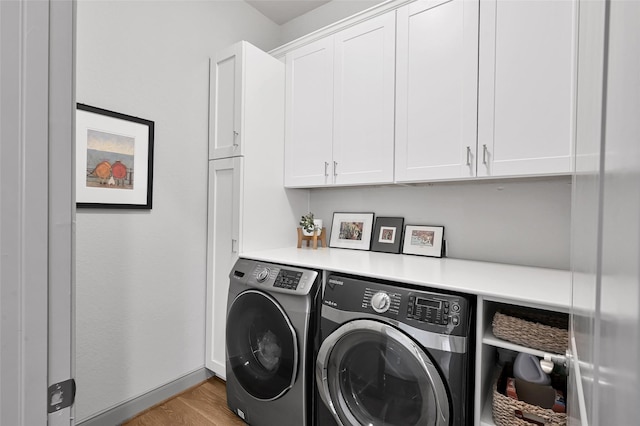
(533, 329)
(505, 410)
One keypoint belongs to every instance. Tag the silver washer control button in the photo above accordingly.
(380, 302)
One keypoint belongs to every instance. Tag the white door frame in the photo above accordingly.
(36, 207)
(62, 102)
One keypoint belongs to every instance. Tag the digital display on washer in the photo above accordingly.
(428, 303)
(430, 310)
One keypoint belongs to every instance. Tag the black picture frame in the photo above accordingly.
(423, 240)
(387, 234)
(114, 159)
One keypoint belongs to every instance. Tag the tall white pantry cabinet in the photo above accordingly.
(248, 207)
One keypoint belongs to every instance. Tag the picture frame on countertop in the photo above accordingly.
(114, 159)
(423, 240)
(387, 234)
(351, 230)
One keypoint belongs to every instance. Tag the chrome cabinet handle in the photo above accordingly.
(468, 156)
(484, 154)
(326, 168)
(235, 135)
(335, 168)
(234, 245)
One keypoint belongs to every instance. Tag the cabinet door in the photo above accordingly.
(223, 246)
(363, 113)
(526, 87)
(309, 114)
(436, 103)
(226, 103)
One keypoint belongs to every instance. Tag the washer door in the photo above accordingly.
(262, 345)
(370, 373)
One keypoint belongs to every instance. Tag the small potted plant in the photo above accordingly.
(309, 224)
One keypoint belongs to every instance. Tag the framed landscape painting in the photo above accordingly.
(114, 159)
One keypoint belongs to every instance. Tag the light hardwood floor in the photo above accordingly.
(202, 405)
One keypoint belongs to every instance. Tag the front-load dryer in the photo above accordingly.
(392, 355)
(271, 323)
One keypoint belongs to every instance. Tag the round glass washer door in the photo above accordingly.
(370, 373)
(261, 345)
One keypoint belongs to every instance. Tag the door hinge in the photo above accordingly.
(61, 395)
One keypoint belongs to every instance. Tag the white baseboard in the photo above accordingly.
(129, 409)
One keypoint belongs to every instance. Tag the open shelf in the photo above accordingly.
(490, 339)
(489, 352)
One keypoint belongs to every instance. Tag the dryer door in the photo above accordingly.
(262, 348)
(370, 373)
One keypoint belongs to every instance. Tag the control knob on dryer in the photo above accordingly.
(380, 302)
(263, 275)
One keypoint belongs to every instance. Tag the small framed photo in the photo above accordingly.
(387, 234)
(351, 230)
(423, 240)
(114, 159)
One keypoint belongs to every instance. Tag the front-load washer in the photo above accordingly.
(392, 355)
(271, 323)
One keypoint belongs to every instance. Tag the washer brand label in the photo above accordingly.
(330, 303)
(334, 282)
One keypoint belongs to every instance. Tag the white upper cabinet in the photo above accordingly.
(339, 107)
(363, 122)
(526, 87)
(479, 89)
(309, 114)
(436, 100)
(226, 106)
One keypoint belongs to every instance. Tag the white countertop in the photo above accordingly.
(536, 286)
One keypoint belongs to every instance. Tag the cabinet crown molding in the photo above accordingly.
(379, 9)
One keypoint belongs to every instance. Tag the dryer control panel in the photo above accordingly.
(288, 279)
(279, 278)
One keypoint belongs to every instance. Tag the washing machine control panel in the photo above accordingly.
(440, 310)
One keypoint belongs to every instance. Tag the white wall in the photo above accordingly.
(141, 275)
(518, 222)
(322, 16)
